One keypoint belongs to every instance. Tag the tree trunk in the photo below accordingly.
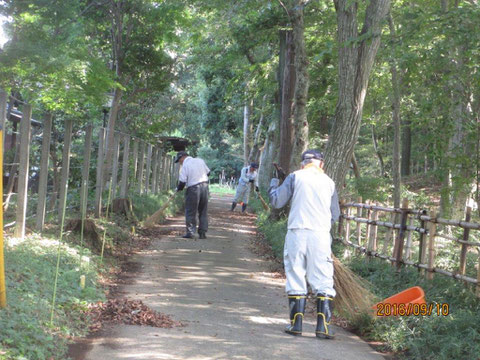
(300, 136)
(406, 147)
(255, 150)
(356, 59)
(247, 129)
(356, 168)
(286, 117)
(396, 158)
(110, 138)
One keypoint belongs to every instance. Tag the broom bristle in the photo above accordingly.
(157, 215)
(353, 294)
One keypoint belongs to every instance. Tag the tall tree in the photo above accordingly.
(356, 57)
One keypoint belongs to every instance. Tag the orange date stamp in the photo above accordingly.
(410, 309)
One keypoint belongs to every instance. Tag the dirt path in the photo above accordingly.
(231, 305)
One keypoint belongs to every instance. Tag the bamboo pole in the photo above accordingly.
(466, 233)
(359, 226)
(408, 247)
(43, 179)
(135, 159)
(99, 180)
(367, 228)
(422, 253)
(431, 246)
(399, 243)
(340, 220)
(141, 161)
(347, 225)
(67, 141)
(124, 180)
(372, 238)
(25, 129)
(148, 169)
(154, 170)
(389, 234)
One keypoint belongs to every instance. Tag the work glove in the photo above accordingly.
(251, 180)
(180, 186)
(257, 189)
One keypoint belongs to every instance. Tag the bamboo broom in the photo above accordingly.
(157, 215)
(353, 294)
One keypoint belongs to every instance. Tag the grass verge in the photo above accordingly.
(26, 331)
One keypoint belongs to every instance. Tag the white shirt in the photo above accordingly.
(193, 171)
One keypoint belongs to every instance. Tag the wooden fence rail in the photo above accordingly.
(401, 224)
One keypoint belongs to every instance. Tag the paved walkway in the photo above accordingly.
(232, 306)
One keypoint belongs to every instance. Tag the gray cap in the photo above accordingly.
(312, 154)
(180, 154)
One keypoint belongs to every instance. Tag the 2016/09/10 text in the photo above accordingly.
(413, 309)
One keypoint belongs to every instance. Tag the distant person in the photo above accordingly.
(307, 252)
(194, 174)
(248, 176)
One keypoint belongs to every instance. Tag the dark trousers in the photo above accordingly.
(196, 200)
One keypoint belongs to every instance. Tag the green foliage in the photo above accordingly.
(455, 336)
(30, 272)
(221, 190)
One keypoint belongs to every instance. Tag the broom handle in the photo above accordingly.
(157, 213)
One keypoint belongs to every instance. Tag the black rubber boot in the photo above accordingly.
(202, 234)
(244, 207)
(233, 206)
(296, 304)
(324, 315)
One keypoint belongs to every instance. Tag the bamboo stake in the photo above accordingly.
(408, 247)
(466, 233)
(359, 225)
(58, 253)
(389, 234)
(347, 226)
(431, 246)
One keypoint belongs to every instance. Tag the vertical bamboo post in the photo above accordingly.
(124, 181)
(87, 153)
(431, 245)
(401, 234)
(372, 237)
(159, 171)
(154, 170)
(359, 225)
(368, 226)
(141, 160)
(408, 247)
(466, 234)
(116, 153)
(43, 179)
(389, 234)
(135, 158)
(23, 172)
(67, 142)
(340, 220)
(347, 222)
(148, 168)
(99, 179)
(422, 253)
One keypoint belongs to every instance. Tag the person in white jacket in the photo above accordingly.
(307, 252)
(248, 176)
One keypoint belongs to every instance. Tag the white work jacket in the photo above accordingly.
(314, 199)
(246, 176)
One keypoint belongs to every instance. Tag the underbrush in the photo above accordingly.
(452, 336)
(26, 331)
(221, 189)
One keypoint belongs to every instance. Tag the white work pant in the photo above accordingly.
(242, 193)
(308, 257)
